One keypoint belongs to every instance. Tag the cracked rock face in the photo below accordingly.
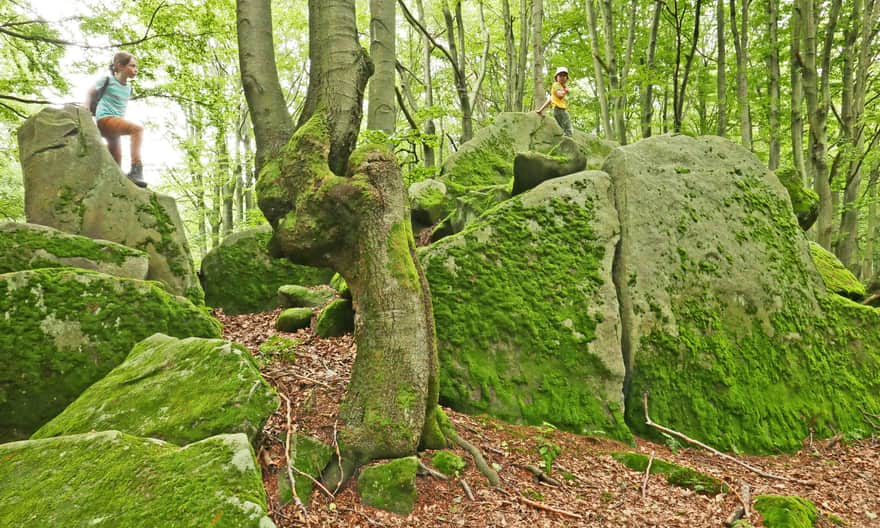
(72, 184)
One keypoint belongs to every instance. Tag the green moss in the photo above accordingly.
(834, 274)
(448, 463)
(293, 319)
(390, 486)
(338, 283)
(760, 377)
(336, 319)
(309, 456)
(279, 346)
(110, 479)
(241, 277)
(180, 391)
(400, 258)
(63, 329)
(490, 164)
(676, 475)
(295, 296)
(786, 512)
(804, 201)
(23, 247)
(515, 343)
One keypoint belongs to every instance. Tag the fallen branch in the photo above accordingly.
(541, 476)
(338, 459)
(647, 474)
(735, 460)
(467, 489)
(289, 463)
(431, 471)
(544, 507)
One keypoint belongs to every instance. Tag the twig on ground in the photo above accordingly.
(734, 516)
(467, 489)
(541, 476)
(647, 474)
(431, 471)
(338, 458)
(735, 460)
(289, 463)
(544, 507)
(745, 497)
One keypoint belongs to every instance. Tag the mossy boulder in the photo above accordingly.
(532, 168)
(73, 184)
(309, 456)
(177, 390)
(447, 462)
(488, 158)
(834, 274)
(296, 296)
(786, 511)
(336, 319)
(428, 203)
(468, 207)
(390, 486)
(112, 479)
(341, 287)
(62, 329)
(293, 319)
(240, 276)
(804, 201)
(526, 310)
(32, 246)
(683, 477)
(725, 320)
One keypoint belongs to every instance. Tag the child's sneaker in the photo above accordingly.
(137, 175)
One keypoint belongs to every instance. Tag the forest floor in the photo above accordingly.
(591, 488)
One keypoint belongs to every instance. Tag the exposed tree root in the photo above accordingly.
(487, 471)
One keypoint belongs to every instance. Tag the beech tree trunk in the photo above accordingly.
(332, 207)
(647, 113)
(382, 111)
(721, 77)
(797, 94)
(741, 45)
(773, 81)
(538, 52)
(601, 94)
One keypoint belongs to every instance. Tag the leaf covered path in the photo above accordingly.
(594, 489)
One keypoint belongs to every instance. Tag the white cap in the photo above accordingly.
(561, 69)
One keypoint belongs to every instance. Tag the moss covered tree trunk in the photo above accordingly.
(333, 208)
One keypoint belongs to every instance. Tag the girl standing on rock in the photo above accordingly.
(110, 113)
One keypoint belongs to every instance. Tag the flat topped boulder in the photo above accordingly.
(73, 184)
(240, 276)
(62, 329)
(177, 390)
(32, 246)
(114, 480)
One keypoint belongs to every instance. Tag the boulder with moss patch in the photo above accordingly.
(310, 457)
(428, 202)
(525, 346)
(804, 201)
(447, 463)
(336, 319)
(32, 246)
(63, 329)
(177, 390)
(111, 479)
(73, 184)
(683, 477)
(240, 276)
(293, 319)
(390, 486)
(296, 296)
(834, 274)
(726, 322)
(781, 511)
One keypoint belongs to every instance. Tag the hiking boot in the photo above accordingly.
(136, 175)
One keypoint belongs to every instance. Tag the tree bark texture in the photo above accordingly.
(538, 89)
(797, 94)
(598, 70)
(721, 77)
(773, 82)
(741, 46)
(647, 113)
(382, 112)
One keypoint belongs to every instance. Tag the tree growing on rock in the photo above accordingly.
(333, 206)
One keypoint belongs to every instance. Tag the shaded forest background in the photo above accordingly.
(792, 80)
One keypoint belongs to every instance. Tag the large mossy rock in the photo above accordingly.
(32, 246)
(835, 275)
(726, 323)
(63, 329)
(240, 276)
(111, 479)
(488, 158)
(526, 310)
(73, 184)
(390, 486)
(780, 511)
(177, 390)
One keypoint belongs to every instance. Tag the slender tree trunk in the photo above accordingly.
(773, 89)
(741, 45)
(614, 74)
(597, 69)
(510, 59)
(382, 112)
(430, 129)
(797, 94)
(225, 181)
(538, 51)
(721, 77)
(869, 266)
(679, 107)
(647, 113)
(523, 55)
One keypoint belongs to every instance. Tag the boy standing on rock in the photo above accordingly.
(557, 98)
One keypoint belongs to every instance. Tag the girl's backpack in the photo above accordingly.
(94, 106)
